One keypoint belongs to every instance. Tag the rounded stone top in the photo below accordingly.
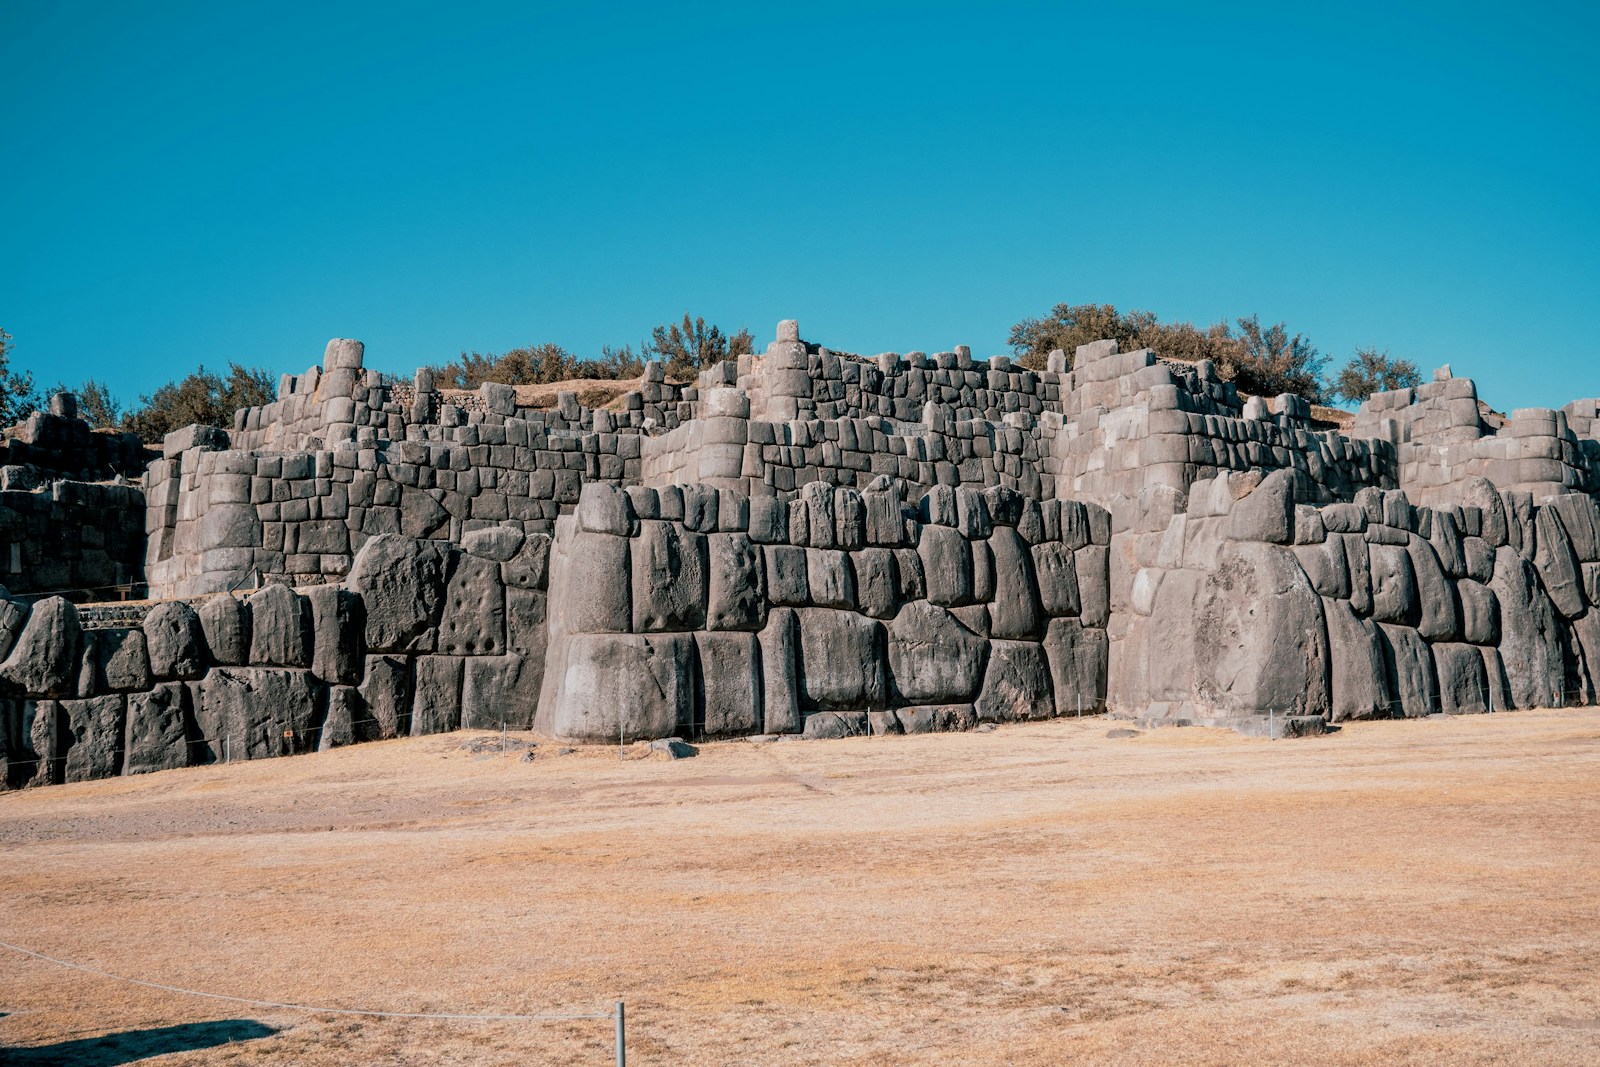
(789, 330)
(343, 353)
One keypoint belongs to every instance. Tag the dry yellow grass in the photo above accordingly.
(1403, 892)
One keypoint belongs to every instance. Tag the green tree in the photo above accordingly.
(1371, 371)
(1070, 325)
(536, 365)
(1268, 360)
(96, 405)
(695, 345)
(202, 397)
(18, 396)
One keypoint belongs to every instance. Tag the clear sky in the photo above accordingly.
(204, 182)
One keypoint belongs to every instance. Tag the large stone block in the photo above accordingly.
(621, 686)
(1558, 564)
(831, 578)
(175, 641)
(937, 718)
(386, 698)
(841, 662)
(1016, 613)
(946, 565)
(1324, 565)
(1267, 513)
(1260, 642)
(1394, 585)
(669, 577)
(92, 738)
(1093, 566)
(1016, 683)
(280, 628)
(401, 583)
(780, 681)
(1439, 616)
(1359, 686)
(1079, 660)
(1580, 518)
(934, 659)
(594, 592)
(256, 713)
(1057, 579)
(338, 642)
(225, 622)
(1530, 636)
(731, 684)
(473, 622)
(344, 719)
(1410, 669)
(158, 729)
(1463, 682)
(44, 660)
(530, 567)
(787, 583)
(121, 662)
(737, 583)
(1358, 563)
(436, 701)
(500, 692)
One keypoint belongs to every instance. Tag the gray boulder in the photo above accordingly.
(831, 725)
(401, 583)
(1016, 684)
(937, 718)
(831, 578)
(737, 583)
(841, 661)
(1410, 668)
(780, 682)
(257, 713)
(225, 622)
(1078, 657)
(157, 729)
(1558, 565)
(500, 692)
(175, 641)
(1260, 642)
(1439, 618)
(530, 567)
(669, 577)
(1016, 613)
(1477, 557)
(1324, 564)
(1480, 613)
(338, 627)
(877, 586)
(596, 566)
(1530, 636)
(44, 659)
(1480, 493)
(1358, 672)
(498, 543)
(946, 565)
(934, 658)
(1394, 585)
(731, 684)
(386, 697)
(638, 686)
(1463, 682)
(436, 701)
(1580, 518)
(1057, 579)
(473, 622)
(92, 741)
(280, 628)
(1358, 563)
(787, 583)
(122, 665)
(1093, 566)
(1267, 513)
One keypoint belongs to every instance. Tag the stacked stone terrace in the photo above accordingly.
(797, 543)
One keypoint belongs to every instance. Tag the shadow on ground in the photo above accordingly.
(131, 1046)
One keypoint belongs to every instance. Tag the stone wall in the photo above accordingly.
(702, 612)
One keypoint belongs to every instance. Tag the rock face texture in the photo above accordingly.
(796, 543)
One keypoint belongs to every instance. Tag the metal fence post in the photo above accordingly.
(622, 1038)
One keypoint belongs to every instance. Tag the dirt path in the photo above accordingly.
(1405, 892)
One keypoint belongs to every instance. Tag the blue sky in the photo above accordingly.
(187, 183)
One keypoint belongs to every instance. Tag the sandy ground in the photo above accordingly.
(1403, 892)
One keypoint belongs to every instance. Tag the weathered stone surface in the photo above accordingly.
(946, 565)
(831, 578)
(44, 659)
(669, 578)
(498, 543)
(1016, 683)
(122, 664)
(934, 659)
(530, 567)
(1077, 655)
(1016, 613)
(604, 509)
(780, 682)
(1267, 513)
(1410, 667)
(832, 725)
(1439, 617)
(280, 628)
(1480, 493)
(1478, 557)
(1057, 579)
(401, 583)
(595, 574)
(473, 622)
(157, 729)
(436, 700)
(1324, 565)
(175, 641)
(1580, 518)
(1093, 566)
(345, 711)
(338, 634)
(737, 598)
(632, 685)
(1558, 565)
(787, 583)
(225, 622)
(422, 516)
(1358, 673)
(13, 617)
(1463, 682)
(386, 697)
(877, 586)
(1260, 642)
(92, 737)
(1530, 638)
(841, 662)
(500, 692)
(1394, 586)
(1480, 613)
(1358, 562)
(731, 684)
(937, 718)
(256, 713)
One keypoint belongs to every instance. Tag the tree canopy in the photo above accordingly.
(18, 396)
(201, 397)
(1371, 372)
(695, 345)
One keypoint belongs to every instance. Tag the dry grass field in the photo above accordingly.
(1421, 892)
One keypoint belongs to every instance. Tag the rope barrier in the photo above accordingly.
(311, 1008)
